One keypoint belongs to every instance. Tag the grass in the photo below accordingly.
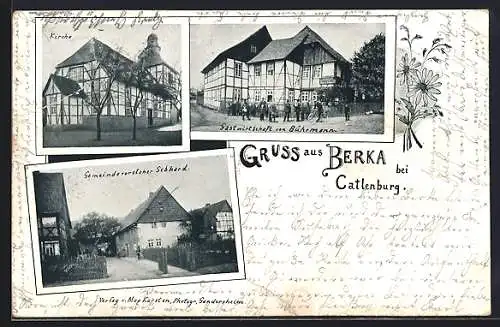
(88, 138)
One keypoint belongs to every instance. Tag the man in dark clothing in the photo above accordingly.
(297, 110)
(319, 109)
(347, 112)
(245, 110)
(262, 110)
(304, 111)
(288, 109)
(229, 108)
(272, 112)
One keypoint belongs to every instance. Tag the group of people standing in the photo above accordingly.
(269, 111)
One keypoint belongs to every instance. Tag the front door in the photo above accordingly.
(150, 117)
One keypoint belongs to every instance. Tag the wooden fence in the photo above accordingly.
(72, 269)
(192, 256)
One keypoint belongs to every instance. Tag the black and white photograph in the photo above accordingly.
(111, 88)
(141, 221)
(282, 80)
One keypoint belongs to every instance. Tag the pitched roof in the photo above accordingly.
(89, 52)
(209, 212)
(277, 49)
(97, 50)
(172, 210)
(312, 36)
(67, 86)
(231, 51)
(281, 48)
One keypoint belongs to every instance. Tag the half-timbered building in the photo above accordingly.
(285, 69)
(91, 76)
(155, 223)
(54, 223)
(226, 76)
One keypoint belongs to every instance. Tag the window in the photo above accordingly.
(49, 227)
(153, 225)
(317, 71)
(270, 68)
(253, 48)
(305, 72)
(291, 95)
(305, 96)
(269, 95)
(151, 243)
(237, 69)
(257, 95)
(224, 224)
(158, 242)
(163, 224)
(237, 94)
(51, 248)
(258, 69)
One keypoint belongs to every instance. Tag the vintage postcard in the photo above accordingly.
(293, 79)
(374, 203)
(146, 221)
(113, 87)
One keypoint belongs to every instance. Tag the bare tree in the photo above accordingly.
(113, 65)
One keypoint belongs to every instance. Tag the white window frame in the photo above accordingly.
(253, 48)
(257, 95)
(158, 242)
(270, 72)
(305, 72)
(258, 70)
(238, 69)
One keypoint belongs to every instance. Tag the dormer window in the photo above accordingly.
(253, 48)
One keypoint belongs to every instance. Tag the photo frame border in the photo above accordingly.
(166, 281)
(388, 136)
(40, 149)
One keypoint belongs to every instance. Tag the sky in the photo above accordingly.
(130, 40)
(206, 181)
(207, 41)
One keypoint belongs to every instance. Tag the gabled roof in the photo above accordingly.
(281, 48)
(232, 51)
(277, 49)
(89, 52)
(209, 212)
(66, 86)
(312, 36)
(172, 210)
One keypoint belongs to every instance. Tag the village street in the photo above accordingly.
(129, 269)
(207, 120)
(166, 135)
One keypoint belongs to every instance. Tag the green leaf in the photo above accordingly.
(447, 45)
(424, 51)
(435, 59)
(435, 41)
(404, 39)
(417, 37)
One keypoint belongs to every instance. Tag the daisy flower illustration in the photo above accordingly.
(425, 87)
(407, 70)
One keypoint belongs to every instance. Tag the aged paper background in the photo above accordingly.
(309, 248)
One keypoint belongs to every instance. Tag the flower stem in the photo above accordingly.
(415, 137)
